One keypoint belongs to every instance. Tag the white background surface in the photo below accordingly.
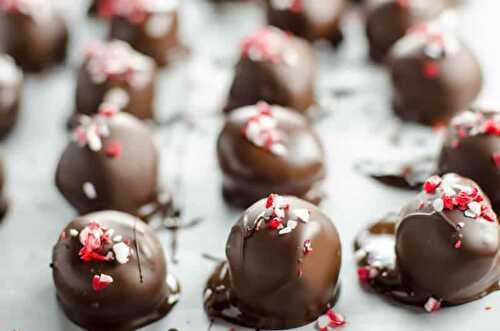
(358, 128)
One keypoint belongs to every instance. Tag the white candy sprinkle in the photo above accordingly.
(432, 305)
(159, 25)
(93, 140)
(122, 252)
(470, 214)
(103, 278)
(323, 321)
(475, 207)
(73, 232)
(461, 225)
(117, 97)
(117, 238)
(89, 190)
(279, 149)
(291, 224)
(285, 231)
(301, 214)
(438, 205)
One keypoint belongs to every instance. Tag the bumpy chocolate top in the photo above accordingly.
(110, 273)
(389, 20)
(264, 149)
(434, 74)
(310, 19)
(135, 11)
(472, 148)
(448, 242)
(284, 258)
(111, 163)
(275, 67)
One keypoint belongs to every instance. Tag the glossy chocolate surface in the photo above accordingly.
(11, 80)
(141, 290)
(472, 148)
(34, 34)
(447, 247)
(274, 67)
(389, 20)
(271, 280)
(309, 19)
(434, 75)
(116, 168)
(151, 27)
(114, 73)
(252, 172)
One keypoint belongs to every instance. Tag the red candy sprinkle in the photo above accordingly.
(63, 235)
(336, 320)
(297, 6)
(431, 70)
(270, 200)
(307, 247)
(363, 274)
(276, 223)
(432, 184)
(101, 282)
(496, 158)
(458, 244)
(113, 150)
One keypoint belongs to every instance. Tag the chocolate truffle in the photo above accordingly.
(33, 32)
(434, 75)
(389, 20)
(284, 258)
(447, 247)
(309, 19)
(264, 149)
(111, 163)
(275, 67)
(116, 74)
(472, 149)
(11, 79)
(110, 273)
(150, 26)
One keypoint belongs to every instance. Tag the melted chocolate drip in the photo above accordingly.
(404, 174)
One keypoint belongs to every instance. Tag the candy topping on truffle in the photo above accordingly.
(267, 44)
(295, 6)
(117, 61)
(471, 123)
(261, 131)
(135, 11)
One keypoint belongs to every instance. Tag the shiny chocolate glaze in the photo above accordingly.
(127, 182)
(269, 281)
(425, 253)
(431, 88)
(389, 20)
(35, 40)
(252, 172)
(11, 80)
(473, 155)
(312, 19)
(142, 290)
(288, 82)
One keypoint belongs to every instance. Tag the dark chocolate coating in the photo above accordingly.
(137, 297)
(90, 95)
(11, 80)
(4, 203)
(430, 265)
(279, 83)
(162, 49)
(432, 100)
(35, 44)
(251, 172)
(272, 282)
(316, 19)
(472, 157)
(125, 183)
(389, 20)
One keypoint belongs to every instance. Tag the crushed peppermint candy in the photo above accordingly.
(261, 130)
(135, 11)
(100, 282)
(117, 61)
(496, 159)
(473, 123)
(267, 44)
(432, 305)
(454, 196)
(113, 150)
(277, 210)
(295, 6)
(38, 9)
(330, 320)
(308, 246)
(122, 252)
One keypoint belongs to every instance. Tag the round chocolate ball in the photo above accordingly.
(389, 20)
(116, 74)
(309, 19)
(111, 163)
(33, 32)
(284, 258)
(448, 243)
(434, 75)
(150, 26)
(275, 67)
(472, 149)
(264, 149)
(11, 80)
(110, 273)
